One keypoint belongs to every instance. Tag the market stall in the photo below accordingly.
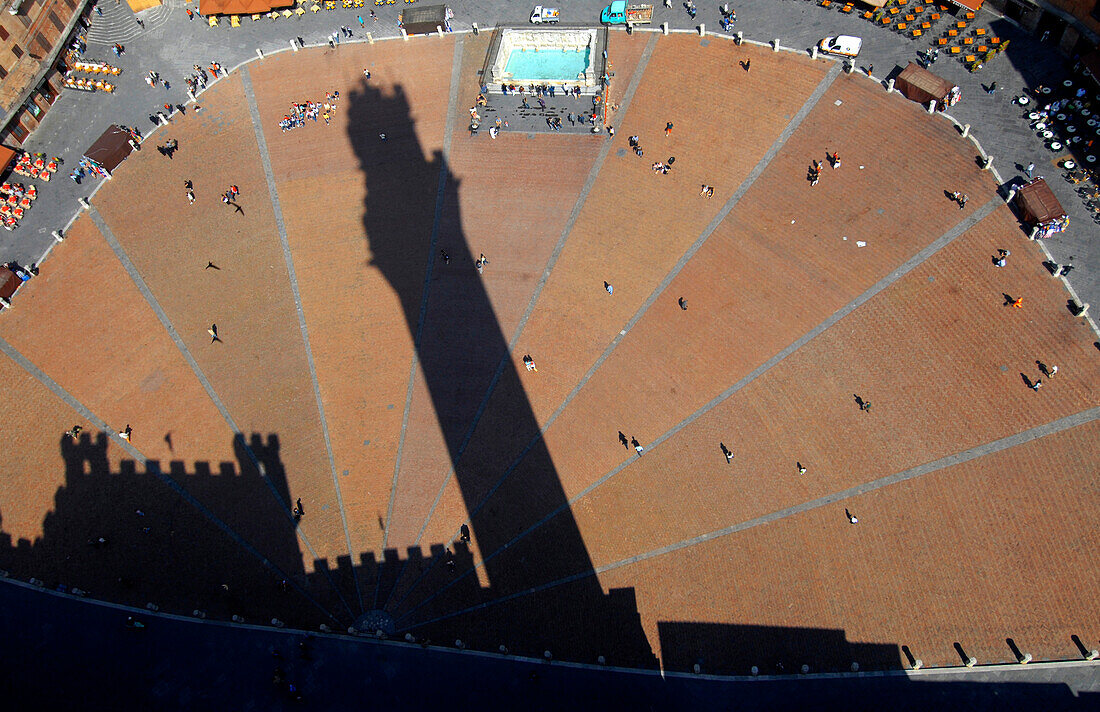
(109, 151)
(922, 86)
(1039, 208)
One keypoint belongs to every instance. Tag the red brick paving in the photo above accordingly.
(260, 371)
(606, 242)
(928, 352)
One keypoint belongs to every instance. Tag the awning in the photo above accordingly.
(7, 155)
(111, 148)
(922, 86)
(241, 7)
(968, 4)
(1037, 203)
(874, 3)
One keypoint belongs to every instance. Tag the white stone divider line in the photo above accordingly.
(441, 192)
(720, 216)
(759, 371)
(303, 328)
(1041, 431)
(154, 304)
(567, 230)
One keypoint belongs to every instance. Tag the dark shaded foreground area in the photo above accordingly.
(59, 651)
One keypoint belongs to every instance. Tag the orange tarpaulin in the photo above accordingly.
(240, 7)
(7, 155)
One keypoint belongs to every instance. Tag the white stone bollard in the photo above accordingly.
(1034, 233)
(324, 628)
(5, 303)
(294, 45)
(1083, 310)
(278, 623)
(198, 614)
(547, 654)
(702, 29)
(932, 107)
(1025, 659)
(805, 669)
(152, 607)
(775, 45)
(439, 30)
(57, 235)
(601, 660)
(476, 29)
(889, 86)
(739, 38)
(503, 650)
(918, 664)
(404, 35)
(237, 619)
(988, 163)
(190, 95)
(84, 202)
(664, 28)
(813, 52)
(971, 661)
(696, 668)
(259, 53)
(966, 130)
(370, 37)
(855, 667)
(754, 671)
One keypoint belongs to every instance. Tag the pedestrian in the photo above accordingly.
(1029, 170)
(360, 19)
(464, 533)
(637, 445)
(190, 15)
(991, 88)
(480, 263)
(74, 432)
(746, 64)
(529, 363)
(234, 190)
(852, 519)
(301, 509)
(727, 452)
(963, 200)
(1036, 385)
(572, 118)
(834, 159)
(366, 73)
(141, 23)
(126, 433)
(870, 69)
(1017, 303)
(608, 288)
(611, 132)
(190, 197)
(683, 303)
(445, 256)
(668, 128)
(373, 16)
(801, 469)
(213, 331)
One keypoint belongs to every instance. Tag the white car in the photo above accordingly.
(844, 45)
(541, 15)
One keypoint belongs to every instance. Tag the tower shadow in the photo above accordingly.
(411, 218)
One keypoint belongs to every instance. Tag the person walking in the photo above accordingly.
(683, 303)
(727, 452)
(852, 519)
(1029, 170)
(801, 469)
(126, 433)
(213, 331)
(637, 445)
(668, 128)
(608, 288)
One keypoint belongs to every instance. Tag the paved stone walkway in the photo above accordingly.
(78, 118)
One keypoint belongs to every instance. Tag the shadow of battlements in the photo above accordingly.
(211, 537)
